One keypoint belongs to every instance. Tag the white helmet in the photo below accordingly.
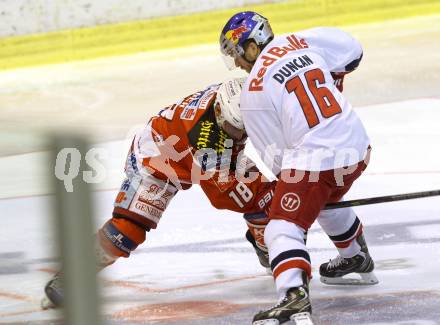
(228, 96)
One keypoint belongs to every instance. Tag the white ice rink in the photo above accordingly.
(197, 268)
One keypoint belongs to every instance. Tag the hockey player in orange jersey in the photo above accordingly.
(199, 140)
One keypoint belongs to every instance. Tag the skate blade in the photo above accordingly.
(47, 304)
(301, 319)
(266, 322)
(365, 279)
(296, 319)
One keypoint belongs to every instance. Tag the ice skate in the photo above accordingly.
(263, 256)
(54, 293)
(356, 270)
(294, 307)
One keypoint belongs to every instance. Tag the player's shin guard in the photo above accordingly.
(289, 259)
(117, 238)
(291, 268)
(256, 223)
(346, 242)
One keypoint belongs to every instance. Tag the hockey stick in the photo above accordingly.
(381, 199)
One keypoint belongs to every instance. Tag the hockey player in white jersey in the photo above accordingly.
(306, 131)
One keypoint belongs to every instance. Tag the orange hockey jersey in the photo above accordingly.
(184, 145)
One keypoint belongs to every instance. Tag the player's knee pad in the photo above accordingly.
(118, 238)
(256, 223)
(337, 221)
(277, 229)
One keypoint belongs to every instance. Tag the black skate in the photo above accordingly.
(294, 307)
(54, 293)
(334, 271)
(263, 256)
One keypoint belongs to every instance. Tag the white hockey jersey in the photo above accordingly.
(293, 113)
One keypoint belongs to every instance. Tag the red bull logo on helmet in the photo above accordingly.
(234, 35)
